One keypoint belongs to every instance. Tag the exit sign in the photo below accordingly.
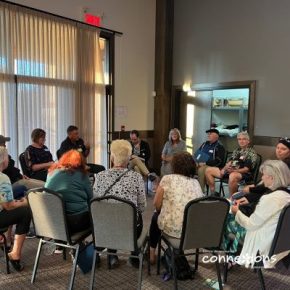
(92, 19)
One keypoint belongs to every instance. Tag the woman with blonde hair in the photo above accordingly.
(260, 226)
(174, 145)
(121, 182)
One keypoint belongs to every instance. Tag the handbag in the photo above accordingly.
(85, 257)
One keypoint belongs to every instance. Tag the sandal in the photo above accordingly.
(16, 264)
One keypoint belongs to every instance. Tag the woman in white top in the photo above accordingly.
(173, 193)
(261, 225)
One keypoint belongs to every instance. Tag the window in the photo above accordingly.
(51, 76)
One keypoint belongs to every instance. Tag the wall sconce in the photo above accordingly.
(187, 88)
(191, 93)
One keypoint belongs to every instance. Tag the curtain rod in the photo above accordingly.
(63, 17)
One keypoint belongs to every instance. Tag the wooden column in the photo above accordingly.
(163, 76)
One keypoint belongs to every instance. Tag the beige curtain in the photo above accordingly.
(59, 79)
(90, 100)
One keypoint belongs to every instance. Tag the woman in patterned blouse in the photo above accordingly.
(173, 193)
(129, 187)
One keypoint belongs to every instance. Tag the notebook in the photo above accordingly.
(200, 156)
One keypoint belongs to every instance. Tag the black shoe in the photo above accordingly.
(113, 261)
(134, 262)
(16, 264)
(215, 194)
(151, 176)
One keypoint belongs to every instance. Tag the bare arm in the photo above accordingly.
(158, 199)
(14, 204)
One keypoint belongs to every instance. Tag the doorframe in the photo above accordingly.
(250, 84)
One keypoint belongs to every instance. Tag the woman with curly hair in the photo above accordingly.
(69, 178)
(173, 193)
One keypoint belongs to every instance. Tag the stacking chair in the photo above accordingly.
(226, 159)
(280, 244)
(24, 167)
(203, 226)
(114, 223)
(48, 215)
(2, 234)
(254, 180)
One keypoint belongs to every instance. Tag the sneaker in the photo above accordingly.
(30, 235)
(113, 261)
(58, 251)
(134, 262)
(215, 194)
(151, 176)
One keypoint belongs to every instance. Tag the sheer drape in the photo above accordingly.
(50, 77)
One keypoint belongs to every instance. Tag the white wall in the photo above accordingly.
(135, 51)
(234, 40)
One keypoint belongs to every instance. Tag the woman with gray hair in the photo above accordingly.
(121, 182)
(261, 225)
(13, 213)
(174, 145)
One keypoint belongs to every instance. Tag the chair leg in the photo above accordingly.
(74, 267)
(261, 278)
(36, 262)
(226, 265)
(5, 253)
(173, 268)
(92, 280)
(148, 255)
(158, 256)
(140, 271)
(196, 260)
(218, 271)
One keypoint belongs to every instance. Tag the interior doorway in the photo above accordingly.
(220, 105)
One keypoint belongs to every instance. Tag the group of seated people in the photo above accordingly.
(69, 177)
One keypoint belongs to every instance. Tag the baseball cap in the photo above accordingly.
(285, 141)
(4, 139)
(212, 130)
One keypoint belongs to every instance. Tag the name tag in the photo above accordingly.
(210, 151)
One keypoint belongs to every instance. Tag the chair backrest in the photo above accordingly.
(48, 214)
(227, 157)
(256, 168)
(281, 241)
(114, 222)
(23, 164)
(204, 222)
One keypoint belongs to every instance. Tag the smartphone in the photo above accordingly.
(238, 195)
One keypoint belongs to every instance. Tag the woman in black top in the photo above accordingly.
(38, 155)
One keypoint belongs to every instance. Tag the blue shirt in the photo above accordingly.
(6, 194)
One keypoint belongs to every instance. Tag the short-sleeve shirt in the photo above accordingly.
(38, 155)
(170, 150)
(130, 187)
(6, 194)
(178, 191)
(245, 158)
(67, 145)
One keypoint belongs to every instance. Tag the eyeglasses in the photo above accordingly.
(287, 139)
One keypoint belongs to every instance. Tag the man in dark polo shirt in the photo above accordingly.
(73, 141)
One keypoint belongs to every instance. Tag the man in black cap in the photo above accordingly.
(210, 153)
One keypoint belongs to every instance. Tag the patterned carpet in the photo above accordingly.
(54, 273)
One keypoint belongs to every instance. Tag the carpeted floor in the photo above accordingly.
(54, 273)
